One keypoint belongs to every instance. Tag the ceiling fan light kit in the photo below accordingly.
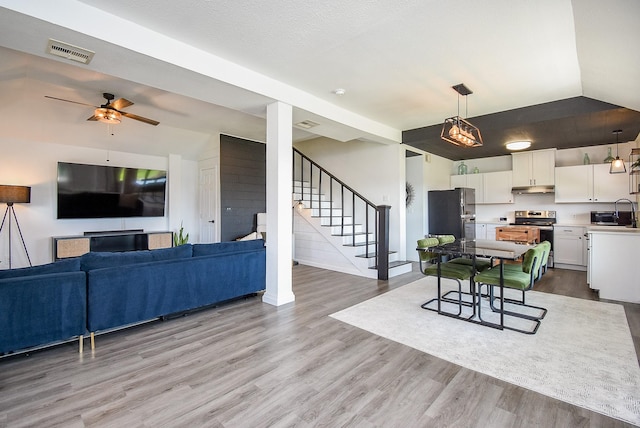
(107, 115)
(110, 112)
(459, 131)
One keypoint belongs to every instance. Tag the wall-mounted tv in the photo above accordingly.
(96, 191)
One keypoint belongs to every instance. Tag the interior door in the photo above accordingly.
(209, 196)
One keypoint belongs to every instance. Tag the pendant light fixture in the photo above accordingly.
(459, 131)
(617, 166)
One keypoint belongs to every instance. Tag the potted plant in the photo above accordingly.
(180, 238)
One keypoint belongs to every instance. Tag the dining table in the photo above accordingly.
(498, 251)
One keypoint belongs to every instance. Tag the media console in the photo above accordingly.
(128, 240)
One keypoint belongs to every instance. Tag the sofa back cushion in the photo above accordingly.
(226, 247)
(98, 260)
(67, 265)
(184, 251)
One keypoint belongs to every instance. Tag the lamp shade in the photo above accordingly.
(11, 194)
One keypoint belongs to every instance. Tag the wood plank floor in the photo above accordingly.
(249, 364)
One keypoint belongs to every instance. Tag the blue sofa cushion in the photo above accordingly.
(99, 260)
(180, 252)
(35, 310)
(67, 265)
(226, 247)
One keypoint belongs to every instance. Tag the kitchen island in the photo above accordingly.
(614, 262)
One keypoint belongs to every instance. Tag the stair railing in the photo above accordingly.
(374, 218)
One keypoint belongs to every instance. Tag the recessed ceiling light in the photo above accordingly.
(339, 92)
(518, 145)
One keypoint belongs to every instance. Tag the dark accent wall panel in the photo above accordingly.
(243, 185)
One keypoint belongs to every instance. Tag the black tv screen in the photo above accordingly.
(96, 191)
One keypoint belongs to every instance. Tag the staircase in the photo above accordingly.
(338, 229)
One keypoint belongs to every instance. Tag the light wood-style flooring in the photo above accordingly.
(249, 364)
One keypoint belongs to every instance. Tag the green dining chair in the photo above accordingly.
(452, 271)
(481, 263)
(517, 279)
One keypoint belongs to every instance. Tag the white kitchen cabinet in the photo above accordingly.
(589, 183)
(535, 168)
(490, 187)
(615, 265)
(487, 230)
(569, 247)
(458, 181)
(609, 187)
(491, 230)
(497, 188)
(473, 181)
(481, 231)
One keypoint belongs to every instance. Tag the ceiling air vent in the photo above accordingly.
(71, 52)
(307, 124)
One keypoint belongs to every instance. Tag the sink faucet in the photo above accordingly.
(633, 212)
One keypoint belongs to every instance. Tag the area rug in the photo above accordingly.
(582, 354)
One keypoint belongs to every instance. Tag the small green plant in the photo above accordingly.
(180, 238)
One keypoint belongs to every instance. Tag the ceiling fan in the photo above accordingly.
(111, 111)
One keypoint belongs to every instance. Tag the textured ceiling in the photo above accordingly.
(397, 61)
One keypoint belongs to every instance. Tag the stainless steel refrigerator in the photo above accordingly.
(453, 212)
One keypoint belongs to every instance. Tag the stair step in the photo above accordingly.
(350, 234)
(359, 244)
(394, 264)
(372, 255)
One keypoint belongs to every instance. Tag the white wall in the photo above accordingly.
(35, 164)
(416, 212)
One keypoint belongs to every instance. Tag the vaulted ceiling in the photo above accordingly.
(563, 73)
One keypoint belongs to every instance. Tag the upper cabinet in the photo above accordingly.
(473, 181)
(497, 187)
(535, 168)
(490, 187)
(590, 183)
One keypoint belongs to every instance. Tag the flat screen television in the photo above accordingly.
(96, 191)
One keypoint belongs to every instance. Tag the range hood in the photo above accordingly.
(533, 189)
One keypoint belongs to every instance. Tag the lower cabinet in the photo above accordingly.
(616, 273)
(487, 230)
(570, 247)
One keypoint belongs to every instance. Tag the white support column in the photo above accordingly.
(279, 211)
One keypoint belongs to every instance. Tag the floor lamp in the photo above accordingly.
(11, 195)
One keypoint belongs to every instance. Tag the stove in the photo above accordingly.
(543, 220)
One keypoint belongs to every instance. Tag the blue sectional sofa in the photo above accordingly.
(103, 291)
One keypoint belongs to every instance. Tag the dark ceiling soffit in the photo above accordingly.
(569, 123)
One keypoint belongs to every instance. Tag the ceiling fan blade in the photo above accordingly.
(94, 118)
(120, 103)
(69, 101)
(140, 118)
